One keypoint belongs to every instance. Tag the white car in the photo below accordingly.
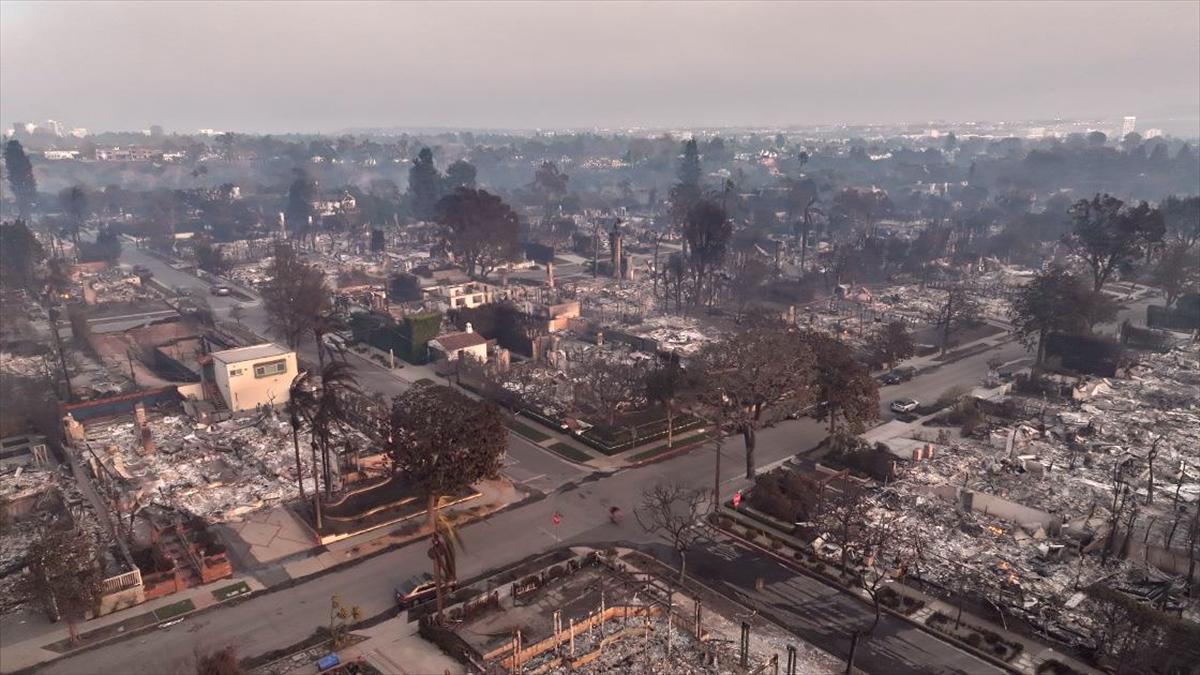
(904, 405)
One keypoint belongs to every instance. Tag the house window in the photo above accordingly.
(270, 368)
(234, 372)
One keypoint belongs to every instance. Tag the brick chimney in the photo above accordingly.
(147, 441)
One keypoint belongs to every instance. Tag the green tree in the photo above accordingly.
(299, 212)
(295, 295)
(1053, 301)
(1181, 215)
(549, 186)
(890, 344)
(210, 258)
(20, 178)
(1177, 271)
(424, 186)
(689, 165)
(75, 204)
(65, 574)
(444, 441)
(20, 255)
(841, 382)
(460, 174)
(706, 233)
(1108, 235)
(750, 377)
(479, 228)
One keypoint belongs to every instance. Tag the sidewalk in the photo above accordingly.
(1033, 653)
(30, 651)
(37, 634)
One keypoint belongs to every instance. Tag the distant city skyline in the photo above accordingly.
(318, 67)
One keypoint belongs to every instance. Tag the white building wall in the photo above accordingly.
(245, 390)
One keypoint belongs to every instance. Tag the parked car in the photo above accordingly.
(334, 342)
(904, 405)
(815, 411)
(898, 375)
(220, 290)
(416, 589)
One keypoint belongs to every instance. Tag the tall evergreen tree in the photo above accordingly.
(20, 177)
(301, 195)
(20, 254)
(424, 185)
(74, 204)
(689, 166)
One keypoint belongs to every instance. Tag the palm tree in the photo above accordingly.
(300, 399)
(323, 325)
(328, 412)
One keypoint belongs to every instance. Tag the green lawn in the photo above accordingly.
(174, 609)
(223, 594)
(680, 442)
(527, 431)
(570, 452)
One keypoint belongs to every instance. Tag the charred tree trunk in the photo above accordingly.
(748, 435)
(299, 465)
(435, 555)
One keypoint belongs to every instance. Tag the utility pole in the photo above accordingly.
(62, 356)
(719, 441)
(853, 648)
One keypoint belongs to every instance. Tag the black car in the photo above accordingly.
(898, 375)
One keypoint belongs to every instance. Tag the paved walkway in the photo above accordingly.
(33, 633)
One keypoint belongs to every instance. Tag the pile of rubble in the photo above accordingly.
(44, 496)
(1030, 504)
(38, 367)
(219, 472)
(680, 334)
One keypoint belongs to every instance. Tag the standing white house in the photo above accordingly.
(453, 346)
(251, 376)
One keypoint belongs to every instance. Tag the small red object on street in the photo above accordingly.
(737, 498)
(556, 518)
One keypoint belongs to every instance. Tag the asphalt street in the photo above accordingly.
(815, 611)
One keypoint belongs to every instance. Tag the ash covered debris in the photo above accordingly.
(219, 471)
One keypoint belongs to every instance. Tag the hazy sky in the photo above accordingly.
(310, 66)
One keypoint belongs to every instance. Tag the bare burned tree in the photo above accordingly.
(294, 297)
(65, 574)
(956, 311)
(883, 557)
(843, 514)
(607, 383)
(671, 510)
(223, 661)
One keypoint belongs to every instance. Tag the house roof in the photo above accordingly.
(253, 353)
(452, 342)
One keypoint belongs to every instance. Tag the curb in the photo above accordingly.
(917, 624)
(667, 454)
(238, 599)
